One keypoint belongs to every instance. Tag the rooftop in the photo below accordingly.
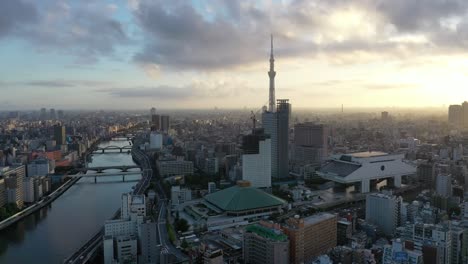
(242, 198)
(266, 232)
(316, 218)
(339, 168)
(367, 154)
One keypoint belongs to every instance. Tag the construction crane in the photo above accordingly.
(253, 118)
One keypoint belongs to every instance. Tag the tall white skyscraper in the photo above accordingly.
(256, 160)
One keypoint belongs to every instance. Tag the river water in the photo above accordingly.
(56, 231)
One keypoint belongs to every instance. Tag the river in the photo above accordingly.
(56, 231)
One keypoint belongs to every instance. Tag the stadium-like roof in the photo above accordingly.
(239, 198)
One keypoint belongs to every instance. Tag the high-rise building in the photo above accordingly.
(52, 115)
(384, 116)
(156, 140)
(444, 185)
(211, 166)
(383, 210)
(152, 111)
(60, 114)
(43, 114)
(120, 235)
(455, 115)
(310, 143)
(149, 242)
(275, 121)
(14, 189)
(256, 159)
(310, 237)
(426, 174)
(165, 123)
(155, 122)
(59, 134)
(265, 245)
(465, 114)
(276, 124)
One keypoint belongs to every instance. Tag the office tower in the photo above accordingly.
(465, 114)
(43, 114)
(455, 115)
(256, 159)
(265, 245)
(383, 210)
(60, 114)
(311, 236)
(211, 166)
(384, 116)
(283, 114)
(52, 114)
(276, 124)
(59, 134)
(426, 174)
(310, 143)
(155, 122)
(156, 140)
(152, 111)
(165, 123)
(444, 185)
(149, 242)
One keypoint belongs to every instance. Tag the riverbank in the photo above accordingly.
(39, 204)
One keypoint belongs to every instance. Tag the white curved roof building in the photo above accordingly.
(363, 167)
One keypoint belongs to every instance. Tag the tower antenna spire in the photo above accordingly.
(271, 53)
(272, 74)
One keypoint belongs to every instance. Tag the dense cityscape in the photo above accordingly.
(263, 183)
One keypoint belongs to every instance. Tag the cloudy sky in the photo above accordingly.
(206, 53)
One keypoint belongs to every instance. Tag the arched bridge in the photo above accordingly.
(122, 168)
(121, 149)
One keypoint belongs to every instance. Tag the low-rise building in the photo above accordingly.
(265, 245)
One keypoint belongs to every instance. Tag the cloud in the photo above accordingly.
(84, 29)
(181, 36)
(161, 92)
(214, 88)
(15, 14)
(385, 87)
(56, 83)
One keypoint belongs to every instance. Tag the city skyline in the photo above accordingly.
(202, 54)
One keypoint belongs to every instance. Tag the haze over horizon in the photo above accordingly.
(204, 53)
